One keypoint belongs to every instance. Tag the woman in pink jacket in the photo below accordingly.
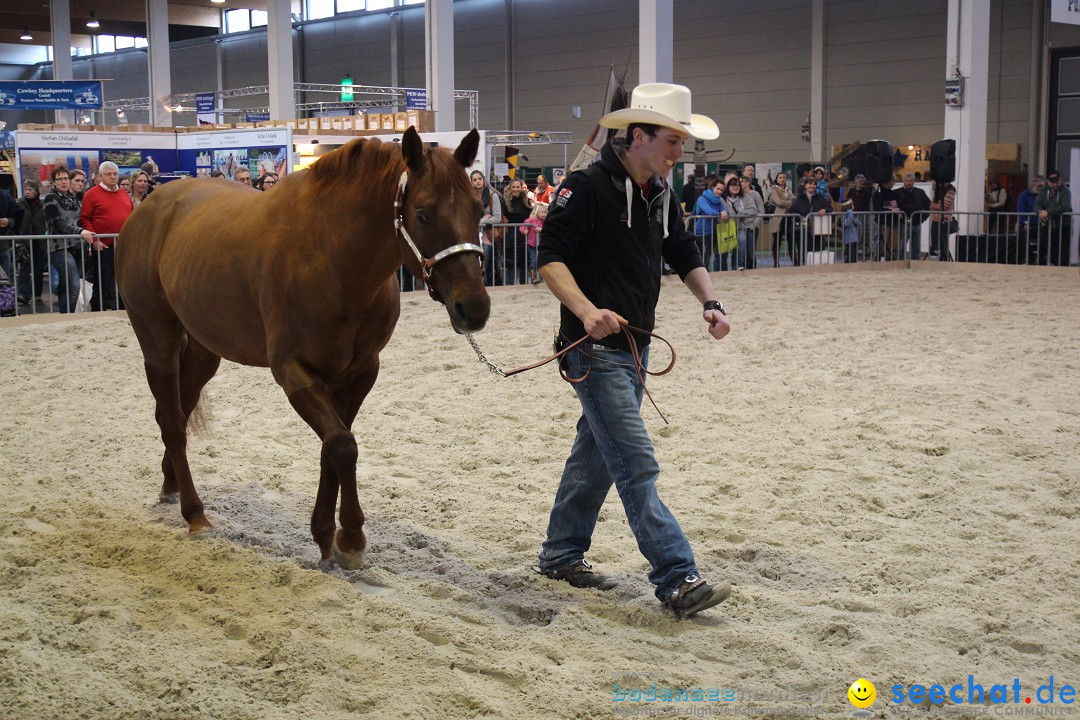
(533, 225)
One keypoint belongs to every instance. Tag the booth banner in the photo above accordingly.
(261, 150)
(766, 173)
(205, 111)
(416, 99)
(38, 153)
(256, 117)
(50, 94)
(1065, 11)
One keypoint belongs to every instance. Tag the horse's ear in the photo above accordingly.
(466, 151)
(412, 149)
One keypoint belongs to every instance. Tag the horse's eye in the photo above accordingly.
(422, 218)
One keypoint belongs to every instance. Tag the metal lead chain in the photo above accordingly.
(480, 355)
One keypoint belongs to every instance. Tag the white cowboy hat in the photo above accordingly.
(662, 104)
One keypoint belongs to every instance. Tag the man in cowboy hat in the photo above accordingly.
(610, 229)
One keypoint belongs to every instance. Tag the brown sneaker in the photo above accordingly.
(694, 595)
(582, 575)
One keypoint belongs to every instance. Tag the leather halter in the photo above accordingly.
(427, 265)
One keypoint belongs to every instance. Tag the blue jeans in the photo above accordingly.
(747, 245)
(67, 290)
(612, 446)
(532, 259)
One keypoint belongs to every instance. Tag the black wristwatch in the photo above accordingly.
(715, 305)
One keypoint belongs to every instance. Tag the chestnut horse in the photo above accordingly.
(301, 280)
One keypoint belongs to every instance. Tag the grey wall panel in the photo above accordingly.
(748, 65)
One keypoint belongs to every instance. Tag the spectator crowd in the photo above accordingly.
(735, 216)
(73, 229)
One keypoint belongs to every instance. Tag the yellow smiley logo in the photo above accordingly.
(862, 693)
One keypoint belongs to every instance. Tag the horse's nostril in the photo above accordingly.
(459, 308)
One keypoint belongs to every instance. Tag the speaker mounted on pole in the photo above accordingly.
(943, 161)
(879, 155)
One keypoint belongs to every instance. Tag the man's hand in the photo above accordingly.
(718, 324)
(601, 323)
(821, 212)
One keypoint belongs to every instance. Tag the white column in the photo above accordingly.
(819, 151)
(439, 34)
(1074, 191)
(157, 55)
(219, 57)
(968, 51)
(280, 50)
(60, 27)
(656, 30)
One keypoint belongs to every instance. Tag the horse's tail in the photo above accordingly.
(199, 419)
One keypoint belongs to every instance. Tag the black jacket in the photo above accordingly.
(880, 200)
(805, 205)
(33, 220)
(13, 211)
(912, 201)
(615, 257)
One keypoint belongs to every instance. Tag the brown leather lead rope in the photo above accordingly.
(628, 331)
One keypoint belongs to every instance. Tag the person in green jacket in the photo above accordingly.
(1054, 206)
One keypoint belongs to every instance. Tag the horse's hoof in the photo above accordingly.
(199, 525)
(347, 560)
(169, 498)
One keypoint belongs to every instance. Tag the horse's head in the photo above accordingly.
(440, 215)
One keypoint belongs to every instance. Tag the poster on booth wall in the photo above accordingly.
(38, 153)
(260, 150)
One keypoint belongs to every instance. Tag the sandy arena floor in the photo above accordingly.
(883, 463)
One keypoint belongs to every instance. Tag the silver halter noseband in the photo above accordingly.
(427, 265)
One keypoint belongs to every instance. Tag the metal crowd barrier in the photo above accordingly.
(875, 236)
(49, 282)
(835, 237)
(35, 273)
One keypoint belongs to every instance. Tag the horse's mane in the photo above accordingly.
(367, 165)
(370, 167)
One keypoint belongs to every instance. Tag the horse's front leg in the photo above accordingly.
(347, 402)
(312, 400)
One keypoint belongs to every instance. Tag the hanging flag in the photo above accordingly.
(615, 98)
(513, 157)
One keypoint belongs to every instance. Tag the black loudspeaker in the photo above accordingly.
(943, 161)
(879, 166)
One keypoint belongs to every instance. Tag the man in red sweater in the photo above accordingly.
(105, 208)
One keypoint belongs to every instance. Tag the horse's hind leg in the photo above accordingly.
(347, 403)
(197, 366)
